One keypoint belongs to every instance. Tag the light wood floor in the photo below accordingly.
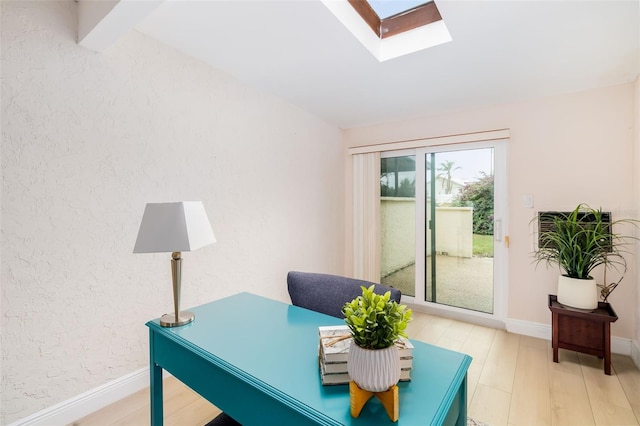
(512, 381)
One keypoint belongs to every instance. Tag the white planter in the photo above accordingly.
(582, 294)
(375, 370)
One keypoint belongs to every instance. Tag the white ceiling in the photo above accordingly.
(502, 51)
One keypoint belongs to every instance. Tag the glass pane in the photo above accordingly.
(459, 212)
(387, 8)
(397, 217)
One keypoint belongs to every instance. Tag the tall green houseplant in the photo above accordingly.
(578, 242)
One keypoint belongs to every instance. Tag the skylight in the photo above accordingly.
(409, 27)
(390, 17)
(386, 8)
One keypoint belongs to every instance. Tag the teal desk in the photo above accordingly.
(257, 360)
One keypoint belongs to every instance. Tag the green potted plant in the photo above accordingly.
(578, 242)
(375, 322)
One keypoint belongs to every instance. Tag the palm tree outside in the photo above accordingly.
(446, 168)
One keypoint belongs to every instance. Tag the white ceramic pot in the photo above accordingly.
(375, 370)
(582, 294)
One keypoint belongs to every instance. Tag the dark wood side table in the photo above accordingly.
(583, 331)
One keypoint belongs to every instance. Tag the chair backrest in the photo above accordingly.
(328, 293)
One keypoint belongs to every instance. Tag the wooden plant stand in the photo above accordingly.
(583, 331)
(388, 398)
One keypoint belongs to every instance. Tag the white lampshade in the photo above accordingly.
(174, 227)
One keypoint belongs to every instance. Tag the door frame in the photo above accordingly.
(500, 259)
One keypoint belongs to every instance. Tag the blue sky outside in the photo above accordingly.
(386, 8)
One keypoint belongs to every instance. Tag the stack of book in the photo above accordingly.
(334, 351)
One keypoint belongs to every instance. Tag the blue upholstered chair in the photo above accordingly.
(328, 293)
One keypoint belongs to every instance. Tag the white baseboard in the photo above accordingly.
(619, 345)
(527, 328)
(86, 403)
(635, 352)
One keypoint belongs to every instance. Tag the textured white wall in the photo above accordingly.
(87, 139)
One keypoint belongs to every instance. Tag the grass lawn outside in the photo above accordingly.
(482, 245)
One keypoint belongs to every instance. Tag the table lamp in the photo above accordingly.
(174, 228)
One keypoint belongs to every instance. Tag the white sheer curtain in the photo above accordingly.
(366, 216)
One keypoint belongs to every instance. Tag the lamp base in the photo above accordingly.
(184, 317)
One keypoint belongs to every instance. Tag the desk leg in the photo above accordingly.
(462, 420)
(155, 372)
(555, 339)
(462, 417)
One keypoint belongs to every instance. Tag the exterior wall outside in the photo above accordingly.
(454, 233)
(564, 150)
(87, 139)
(399, 240)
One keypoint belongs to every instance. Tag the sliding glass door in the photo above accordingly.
(442, 222)
(459, 211)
